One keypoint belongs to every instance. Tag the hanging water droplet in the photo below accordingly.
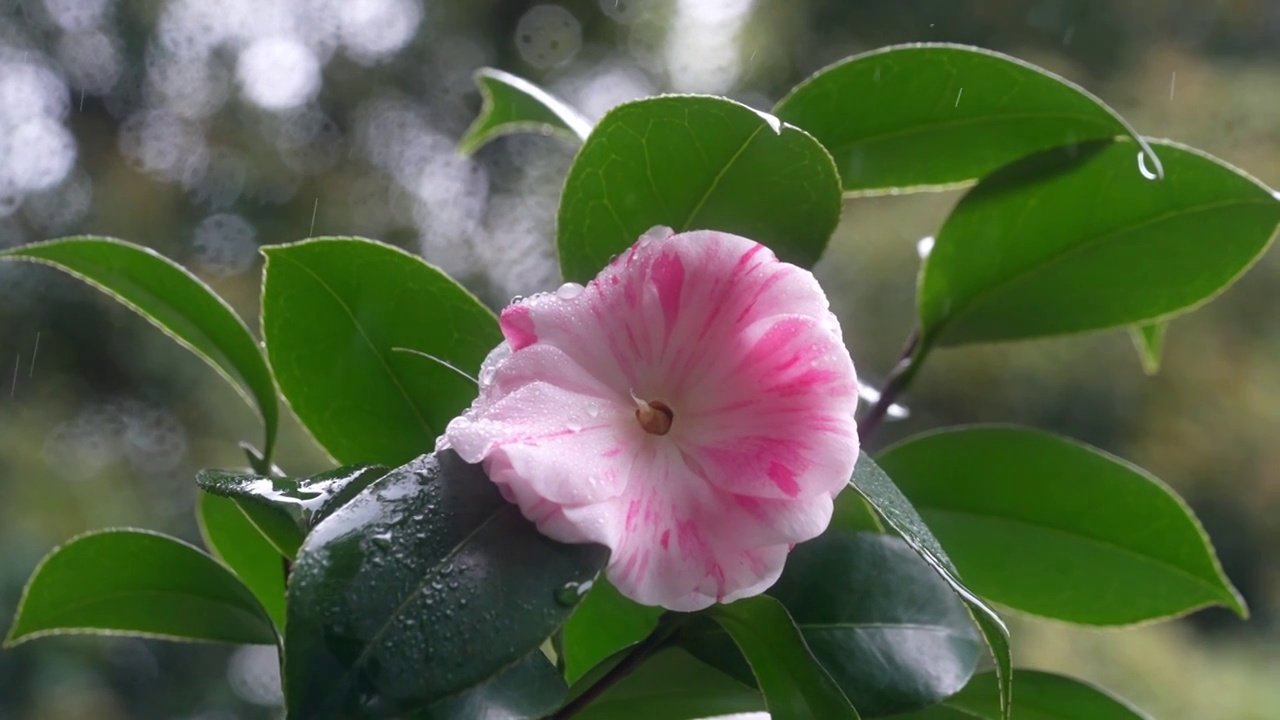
(569, 291)
(1142, 167)
(570, 594)
(382, 540)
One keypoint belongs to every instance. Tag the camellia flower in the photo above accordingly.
(691, 408)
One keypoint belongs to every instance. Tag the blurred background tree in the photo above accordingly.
(205, 128)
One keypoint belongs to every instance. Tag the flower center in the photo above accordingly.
(655, 416)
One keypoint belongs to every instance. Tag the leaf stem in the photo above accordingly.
(667, 624)
(913, 354)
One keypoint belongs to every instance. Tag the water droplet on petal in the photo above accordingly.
(569, 291)
(593, 410)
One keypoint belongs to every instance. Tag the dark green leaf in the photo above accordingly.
(532, 688)
(1149, 341)
(794, 684)
(673, 686)
(875, 486)
(695, 163)
(1099, 541)
(426, 584)
(236, 541)
(280, 508)
(135, 582)
(1041, 696)
(334, 310)
(604, 623)
(515, 105)
(920, 117)
(175, 301)
(880, 621)
(1079, 239)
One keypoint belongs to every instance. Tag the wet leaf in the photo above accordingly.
(693, 162)
(530, 689)
(927, 116)
(604, 623)
(1019, 258)
(140, 583)
(879, 620)
(899, 514)
(794, 684)
(334, 313)
(169, 297)
(514, 105)
(1041, 696)
(236, 541)
(1099, 541)
(426, 584)
(673, 686)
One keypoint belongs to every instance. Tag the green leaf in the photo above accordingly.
(532, 688)
(333, 312)
(604, 623)
(236, 541)
(673, 686)
(175, 301)
(875, 486)
(795, 685)
(853, 512)
(140, 583)
(515, 105)
(425, 585)
(1041, 696)
(1098, 540)
(930, 116)
(695, 163)
(1149, 341)
(1077, 239)
(879, 620)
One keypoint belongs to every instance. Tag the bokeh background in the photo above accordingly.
(205, 128)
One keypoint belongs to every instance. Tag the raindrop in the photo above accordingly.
(1142, 167)
(571, 593)
(593, 410)
(548, 35)
(382, 540)
(569, 291)
(924, 246)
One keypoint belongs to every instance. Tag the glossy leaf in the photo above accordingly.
(426, 584)
(1098, 541)
(879, 490)
(334, 310)
(1080, 239)
(794, 684)
(1148, 340)
(140, 583)
(879, 620)
(532, 688)
(673, 686)
(514, 105)
(928, 116)
(238, 543)
(603, 623)
(169, 297)
(1041, 696)
(695, 163)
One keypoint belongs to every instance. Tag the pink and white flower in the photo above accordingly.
(691, 408)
